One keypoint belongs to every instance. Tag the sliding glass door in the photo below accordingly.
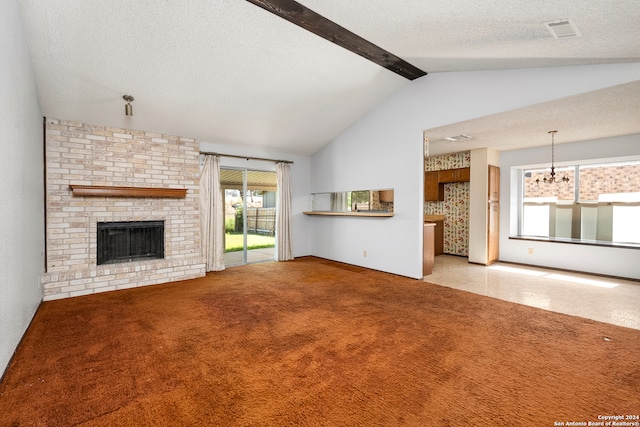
(250, 215)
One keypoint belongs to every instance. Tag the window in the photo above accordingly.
(599, 205)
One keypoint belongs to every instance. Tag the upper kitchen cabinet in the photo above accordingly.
(386, 196)
(432, 192)
(454, 175)
(434, 182)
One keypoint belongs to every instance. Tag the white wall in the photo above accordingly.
(594, 259)
(21, 185)
(384, 150)
(300, 179)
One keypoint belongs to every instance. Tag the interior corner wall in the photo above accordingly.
(610, 261)
(22, 191)
(300, 183)
(384, 150)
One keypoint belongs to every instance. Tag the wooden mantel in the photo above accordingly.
(108, 191)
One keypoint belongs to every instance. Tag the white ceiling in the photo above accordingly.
(227, 71)
(603, 113)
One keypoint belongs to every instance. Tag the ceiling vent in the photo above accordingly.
(564, 29)
(458, 138)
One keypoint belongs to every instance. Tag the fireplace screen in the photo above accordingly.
(130, 241)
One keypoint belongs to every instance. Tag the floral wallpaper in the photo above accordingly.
(455, 206)
(456, 223)
(449, 161)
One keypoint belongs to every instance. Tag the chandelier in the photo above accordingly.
(552, 176)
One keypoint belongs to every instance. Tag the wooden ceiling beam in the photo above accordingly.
(311, 21)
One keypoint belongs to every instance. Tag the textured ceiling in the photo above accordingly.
(454, 35)
(223, 70)
(603, 113)
(229, 72)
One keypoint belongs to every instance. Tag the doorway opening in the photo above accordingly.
(250, 215)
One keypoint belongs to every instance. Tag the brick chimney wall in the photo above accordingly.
(83, 154)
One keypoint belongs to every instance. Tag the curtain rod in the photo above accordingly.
(246, 157)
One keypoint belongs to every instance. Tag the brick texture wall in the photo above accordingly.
(594, 181)
(83, 154)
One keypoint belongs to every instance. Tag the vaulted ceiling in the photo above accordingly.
(231, 72)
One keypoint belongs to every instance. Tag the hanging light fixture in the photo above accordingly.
(128, 108)
(552, 176)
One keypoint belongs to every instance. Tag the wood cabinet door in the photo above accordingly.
(454, 175)
(446, 175)
(386, 196)
(438, 239)
(428, 248)
(493, 216)
(432, 192)
(464, 174)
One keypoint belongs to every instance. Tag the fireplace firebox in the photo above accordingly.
(130, 241)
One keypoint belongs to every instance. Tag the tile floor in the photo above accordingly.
(604, 299)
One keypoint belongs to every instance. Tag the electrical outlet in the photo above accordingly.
(530, 251)
(364, 254)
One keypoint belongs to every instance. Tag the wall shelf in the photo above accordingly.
(108, 191)
(362, 213)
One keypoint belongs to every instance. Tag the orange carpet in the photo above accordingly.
(314, 343)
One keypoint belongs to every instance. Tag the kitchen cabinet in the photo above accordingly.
(432, 192)
(427, 252)
(454, 175)
(438, 233)
(386, 195)
(493, 216)
(434, 182)
(438, 240)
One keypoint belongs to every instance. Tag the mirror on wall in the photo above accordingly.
(353, 201)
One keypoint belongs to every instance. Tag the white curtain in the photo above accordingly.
(212, 214)
(284, 249)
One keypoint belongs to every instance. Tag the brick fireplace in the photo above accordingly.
(80, 155)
